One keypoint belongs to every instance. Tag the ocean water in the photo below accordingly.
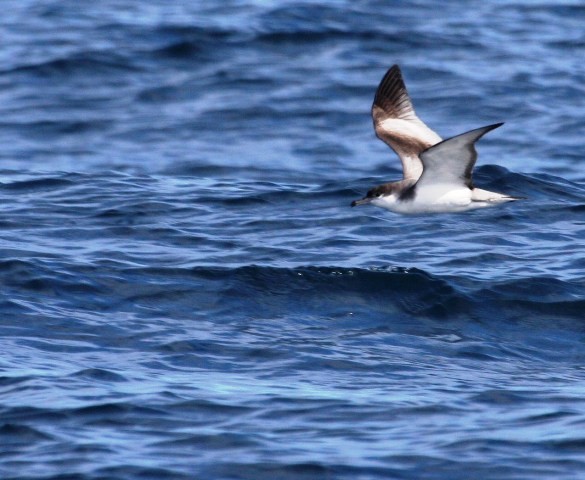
(186, 293)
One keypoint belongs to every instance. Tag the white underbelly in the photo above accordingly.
(431, 200)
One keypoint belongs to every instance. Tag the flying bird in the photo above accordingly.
(436, 172)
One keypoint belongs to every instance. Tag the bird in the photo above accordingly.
(437, 173)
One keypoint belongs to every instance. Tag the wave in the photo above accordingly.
(373, 292)
(84, 63)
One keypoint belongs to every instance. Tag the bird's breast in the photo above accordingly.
(432, 199)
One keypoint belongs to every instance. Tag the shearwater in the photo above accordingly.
(437, 173)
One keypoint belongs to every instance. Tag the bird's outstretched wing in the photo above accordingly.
(450, 162)
(397, 124)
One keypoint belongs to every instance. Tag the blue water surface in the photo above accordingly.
(186, 292)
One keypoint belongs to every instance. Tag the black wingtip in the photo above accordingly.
(391, 95)
(391, 82)
(488, 128)
(395, 68)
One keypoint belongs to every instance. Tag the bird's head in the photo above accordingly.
(373, 195)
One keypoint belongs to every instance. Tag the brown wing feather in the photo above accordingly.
(392, 98)
(397, 124)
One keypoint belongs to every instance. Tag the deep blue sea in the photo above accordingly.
(186, 292)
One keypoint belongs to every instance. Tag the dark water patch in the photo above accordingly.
(207, 407)
(576, 208)
(21, 434)
(37, 184)
(533, 187)
(197, 34)
(123, 412)
(99, 375)
(181, 49)
(17, 415)
(315, 33)
(482, 352)
(163, 94)
(42, 278)
(416, 292)
(145, 472)
(547, 417)
(51, 129)
(504, 397)
(263, 471)
(6, 381)
(329, 287)
(213, 442)
(78, 65)
(540, 296)
(574, 445)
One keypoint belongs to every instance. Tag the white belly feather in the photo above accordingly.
(436, 198)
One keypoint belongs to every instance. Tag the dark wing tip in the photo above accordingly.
(392, 97)
(471, 136)
(494, 126)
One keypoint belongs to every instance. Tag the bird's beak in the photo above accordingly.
(363, 201)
